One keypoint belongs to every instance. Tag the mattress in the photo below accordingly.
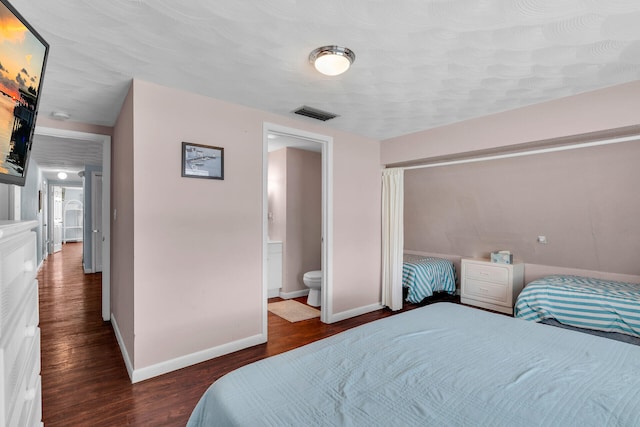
(442, 364)
(582, 302)
(423, 276)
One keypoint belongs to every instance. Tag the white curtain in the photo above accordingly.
(392, 237)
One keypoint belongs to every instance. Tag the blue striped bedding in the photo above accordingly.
(583, 302)
(423, 276)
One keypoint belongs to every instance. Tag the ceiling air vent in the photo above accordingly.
(314, 113)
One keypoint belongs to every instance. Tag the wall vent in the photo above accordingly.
(314, 113)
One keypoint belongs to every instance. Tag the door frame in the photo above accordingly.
(106, 202)
(326, 307)
(52, 217)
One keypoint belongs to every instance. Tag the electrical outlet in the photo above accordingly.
(542, 240)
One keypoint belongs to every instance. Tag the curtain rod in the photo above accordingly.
(527, 153)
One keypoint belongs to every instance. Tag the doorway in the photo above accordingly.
(105, 141)
(326, 146)
(55, 239)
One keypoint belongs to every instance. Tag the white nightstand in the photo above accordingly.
(491, 285)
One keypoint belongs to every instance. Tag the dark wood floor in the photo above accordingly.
(84, 380)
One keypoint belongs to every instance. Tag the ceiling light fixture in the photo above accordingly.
(62, 175)
(332, 60)
(60, 115)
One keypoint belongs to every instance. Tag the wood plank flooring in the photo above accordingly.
(84, 379)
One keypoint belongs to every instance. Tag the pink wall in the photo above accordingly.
(122, 228)
(302, 247)
(357, 223)
(582, 200)
(599, 110)
(198, 260)
(198, 243)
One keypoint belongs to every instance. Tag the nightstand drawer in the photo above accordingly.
(489, 273)
(490, 292)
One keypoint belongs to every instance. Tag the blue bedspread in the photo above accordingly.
(583, 302)
(440, 365)
(423, 276)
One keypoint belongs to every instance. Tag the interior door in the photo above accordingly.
(57, 218)
(96, 221)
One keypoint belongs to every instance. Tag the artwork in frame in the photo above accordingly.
(202, 161)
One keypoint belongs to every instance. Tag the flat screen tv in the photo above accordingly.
(23, 57)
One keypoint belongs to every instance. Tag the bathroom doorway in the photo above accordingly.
(307, 145)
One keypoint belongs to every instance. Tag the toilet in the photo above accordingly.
(313, 281)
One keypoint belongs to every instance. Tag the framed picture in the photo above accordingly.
(202, 161)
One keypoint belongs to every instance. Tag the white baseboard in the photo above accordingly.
(194, 358)
(336, 317)
(137, 375)
(294, 294)
(272, 293)
(123, 349)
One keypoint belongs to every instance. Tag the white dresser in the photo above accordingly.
(20, 393)
(491, 285)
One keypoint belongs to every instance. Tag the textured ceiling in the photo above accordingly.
(419, 63)
(69, 155)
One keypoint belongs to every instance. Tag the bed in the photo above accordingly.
(423, 276)
(582, 302)
(441, 364)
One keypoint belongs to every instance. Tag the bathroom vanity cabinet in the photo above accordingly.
(274, 265)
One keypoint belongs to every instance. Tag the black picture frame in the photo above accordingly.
(202, 161)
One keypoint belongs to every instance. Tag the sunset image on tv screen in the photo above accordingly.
(22, 57)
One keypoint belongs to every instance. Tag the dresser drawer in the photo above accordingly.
(17, 273)
(27, 410)
(486, 291)
(489, 273)
(31, 414)
(20, 356)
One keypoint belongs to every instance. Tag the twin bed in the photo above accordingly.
(606, 306)
(423, 276)
(448, 364)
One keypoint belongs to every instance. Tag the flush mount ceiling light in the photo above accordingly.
(332, 60)
(60, 115)
(62, 175)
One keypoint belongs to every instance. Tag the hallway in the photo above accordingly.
(84, 379)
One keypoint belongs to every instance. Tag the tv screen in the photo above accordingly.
(23, 56)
